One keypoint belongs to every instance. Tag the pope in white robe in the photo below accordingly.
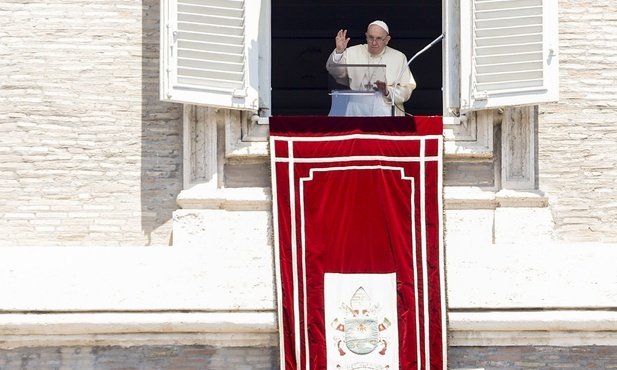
(398, 82)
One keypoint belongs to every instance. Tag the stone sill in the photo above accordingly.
(204, 196)
(249, 148)
(463, 197)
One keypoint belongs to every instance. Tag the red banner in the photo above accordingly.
(358, 233)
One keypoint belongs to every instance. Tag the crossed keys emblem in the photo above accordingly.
(359, 330)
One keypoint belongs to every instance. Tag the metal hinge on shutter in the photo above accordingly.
(239, 93)
(480, 95)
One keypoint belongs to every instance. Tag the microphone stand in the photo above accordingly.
(439, 38)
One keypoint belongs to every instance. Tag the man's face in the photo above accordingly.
(377, 39)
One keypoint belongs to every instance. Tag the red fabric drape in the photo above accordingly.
(358, 195)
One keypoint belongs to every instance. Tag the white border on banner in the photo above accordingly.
(291, 161)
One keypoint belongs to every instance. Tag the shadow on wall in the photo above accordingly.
(161, 138)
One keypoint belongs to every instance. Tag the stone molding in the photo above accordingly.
(218, 329)
(259, 329)
(533, 328)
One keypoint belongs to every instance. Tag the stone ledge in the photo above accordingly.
(220, 329)
(533, 328)
(521, 198)
(204, 196)
(137, 322)
(219, 340)
(259, 329)
(471, 197)
(249, 147)
(545, 320)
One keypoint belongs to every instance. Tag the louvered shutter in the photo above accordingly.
(508, 53)
(209, 52)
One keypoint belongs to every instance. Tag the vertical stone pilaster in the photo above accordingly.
(200, 146)
(518, 168)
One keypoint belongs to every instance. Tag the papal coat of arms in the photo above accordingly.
(359, 329)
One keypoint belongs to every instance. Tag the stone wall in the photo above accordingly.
(578, 135)
(81, 111)
(140, 357)
(88, 154)
(203, 357)
(533, 357)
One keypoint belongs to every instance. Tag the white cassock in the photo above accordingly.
(362, 79)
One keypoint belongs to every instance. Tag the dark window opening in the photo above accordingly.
(303, 34)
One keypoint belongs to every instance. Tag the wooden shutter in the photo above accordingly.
(209, 52)
(508, 53)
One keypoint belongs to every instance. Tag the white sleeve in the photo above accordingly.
(337, 57)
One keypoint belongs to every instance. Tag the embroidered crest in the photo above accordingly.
(360, 326)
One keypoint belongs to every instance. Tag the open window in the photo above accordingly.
(269, 55)
(303, 33)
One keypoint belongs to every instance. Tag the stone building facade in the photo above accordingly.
(137, 233)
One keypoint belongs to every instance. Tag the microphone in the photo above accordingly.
(439, 38)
